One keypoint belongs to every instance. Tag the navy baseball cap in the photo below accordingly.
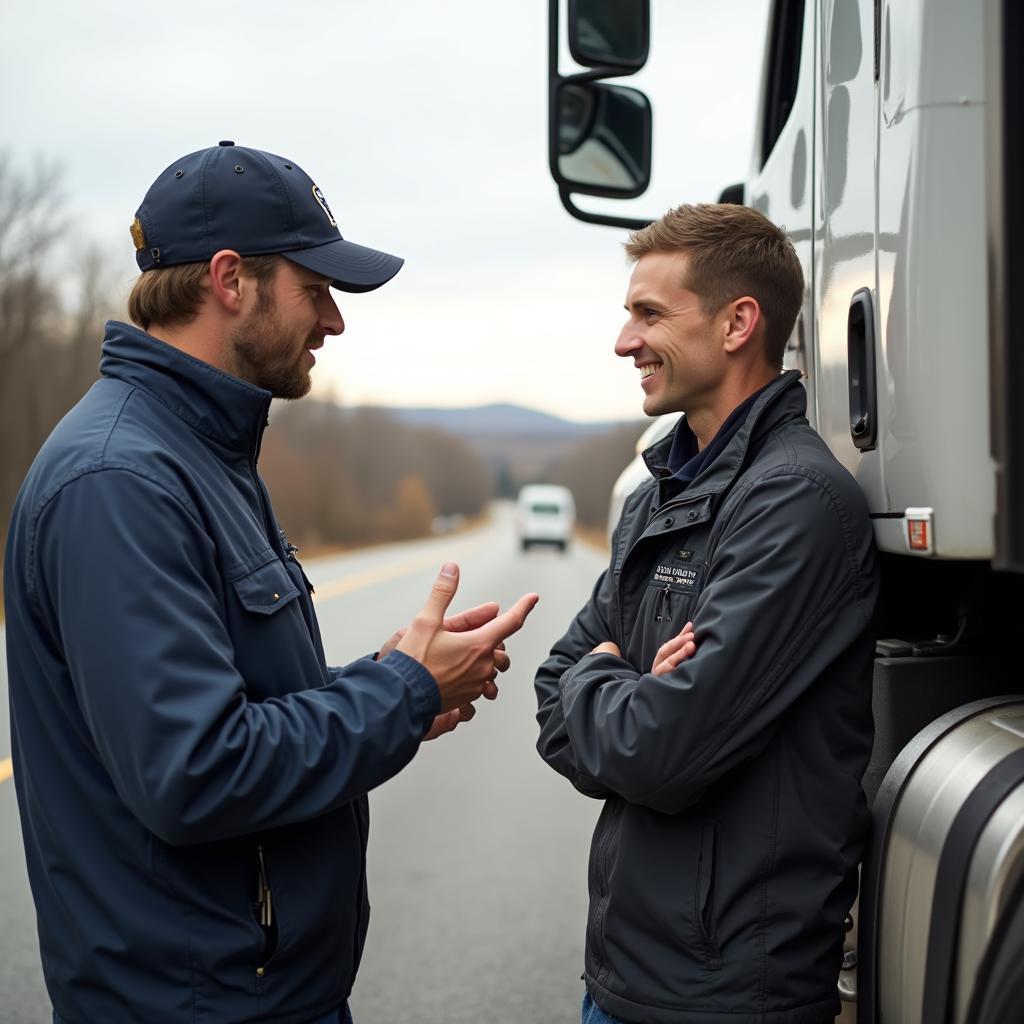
(232, 197)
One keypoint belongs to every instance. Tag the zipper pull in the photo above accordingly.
(289, 547)
(663, 608)
(263, 898)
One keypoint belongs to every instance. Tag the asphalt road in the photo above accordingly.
(477, 859)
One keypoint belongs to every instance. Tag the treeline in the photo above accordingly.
(340, 476)
(51, 318)
(591, 470)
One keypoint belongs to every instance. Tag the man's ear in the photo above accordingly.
(225, 280)
(743, 317)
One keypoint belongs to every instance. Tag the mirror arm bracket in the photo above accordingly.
(594, 75)
(607, 220)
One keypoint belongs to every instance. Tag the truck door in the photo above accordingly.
(781, 183)
(845, 285)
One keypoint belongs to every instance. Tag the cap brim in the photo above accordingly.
(351, 267)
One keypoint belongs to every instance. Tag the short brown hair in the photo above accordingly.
(171, 295)
(733, 251)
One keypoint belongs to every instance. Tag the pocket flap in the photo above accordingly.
(266, 589)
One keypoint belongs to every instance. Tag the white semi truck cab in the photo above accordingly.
(888, 142)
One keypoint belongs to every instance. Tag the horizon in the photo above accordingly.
(479, 407)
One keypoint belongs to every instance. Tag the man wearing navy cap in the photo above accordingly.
(191, 774)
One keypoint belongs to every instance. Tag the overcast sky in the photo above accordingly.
(425, 126)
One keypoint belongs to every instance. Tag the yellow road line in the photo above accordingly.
(6, 769)
(379, 574)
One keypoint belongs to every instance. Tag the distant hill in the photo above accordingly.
(499, 420)
(517, 444)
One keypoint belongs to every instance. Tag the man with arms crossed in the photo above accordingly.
(191, 774)
(715, 691)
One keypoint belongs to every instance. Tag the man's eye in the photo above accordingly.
(650, 313)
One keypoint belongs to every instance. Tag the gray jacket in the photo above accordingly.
(725, 857)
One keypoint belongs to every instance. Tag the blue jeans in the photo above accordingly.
(591, 1013)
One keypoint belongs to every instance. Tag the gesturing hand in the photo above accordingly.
(460, 623)
(674, 652)
(464, 653)
(466, 620)
(472, 619)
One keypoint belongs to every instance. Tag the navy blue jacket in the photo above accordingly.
(725, 858)
(172, 713)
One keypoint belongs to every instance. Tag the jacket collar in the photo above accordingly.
(782, 401)
(221, 407)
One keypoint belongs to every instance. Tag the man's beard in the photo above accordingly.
(266, 357)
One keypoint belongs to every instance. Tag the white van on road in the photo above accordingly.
(545, 514)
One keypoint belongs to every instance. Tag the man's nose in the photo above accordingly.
(628, 341)
(331, 321)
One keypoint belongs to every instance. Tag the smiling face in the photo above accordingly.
(273, 345)
(672, 343)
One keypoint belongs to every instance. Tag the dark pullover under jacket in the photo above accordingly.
(175, 729)
(725, 858)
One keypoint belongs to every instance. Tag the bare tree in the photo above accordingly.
(342, 476)
(591, 470)
(49, 348)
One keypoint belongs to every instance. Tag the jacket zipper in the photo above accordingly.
(609, 837)
(264, 903)
(362, 877)
(291, 550)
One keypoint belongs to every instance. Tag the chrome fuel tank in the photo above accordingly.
(945, 869)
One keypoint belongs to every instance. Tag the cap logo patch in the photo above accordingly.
(138, 235)
(319, 197)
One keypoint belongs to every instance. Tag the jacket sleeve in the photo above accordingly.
(128, 580)
(790, 586)
(589, 628)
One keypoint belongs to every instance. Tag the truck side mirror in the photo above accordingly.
(610, 33)
(603, 139)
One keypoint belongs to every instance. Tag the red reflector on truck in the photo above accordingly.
(918, 530)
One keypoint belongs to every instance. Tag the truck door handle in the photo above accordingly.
(860, 352)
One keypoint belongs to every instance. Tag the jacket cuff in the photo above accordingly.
(424, 689)
(611, 666)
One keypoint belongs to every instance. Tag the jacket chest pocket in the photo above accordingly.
(675, 569)
(673, 585)
(678, 574)
(668, 579)
(268, 633)
(668, 607)
(266, 590)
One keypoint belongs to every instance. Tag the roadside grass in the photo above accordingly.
(307, 551)
(594, 536)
